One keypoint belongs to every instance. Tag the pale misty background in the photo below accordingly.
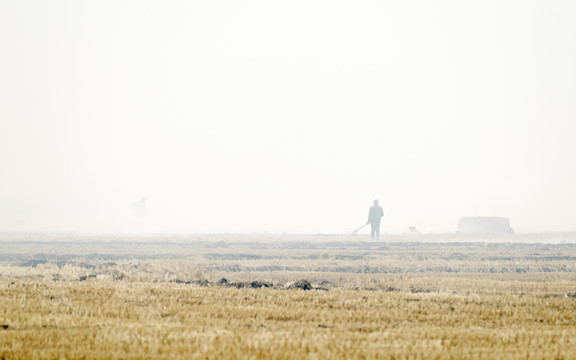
(268, 116)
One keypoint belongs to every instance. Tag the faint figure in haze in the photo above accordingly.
(374, 216)
(139, 208)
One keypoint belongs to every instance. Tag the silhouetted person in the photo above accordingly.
(374, 216)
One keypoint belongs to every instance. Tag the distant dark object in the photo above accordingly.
(301, 284)
(240, 285)
(203, 282)
(413, 229)
(259, 284)
(86, 277)
(484, 225)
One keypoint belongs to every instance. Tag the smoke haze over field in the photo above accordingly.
(292, 116)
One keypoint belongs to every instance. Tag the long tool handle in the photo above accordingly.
(355, 231)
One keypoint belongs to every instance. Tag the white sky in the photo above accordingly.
(254, 116)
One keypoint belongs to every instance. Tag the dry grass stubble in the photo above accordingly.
(132, 299)
(116, 319)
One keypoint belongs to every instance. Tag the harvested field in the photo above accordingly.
(285, 297)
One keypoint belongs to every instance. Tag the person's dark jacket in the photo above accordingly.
(375, 214)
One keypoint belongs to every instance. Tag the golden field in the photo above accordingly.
(157, 297)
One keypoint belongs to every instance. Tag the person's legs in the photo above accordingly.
(375, 233)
